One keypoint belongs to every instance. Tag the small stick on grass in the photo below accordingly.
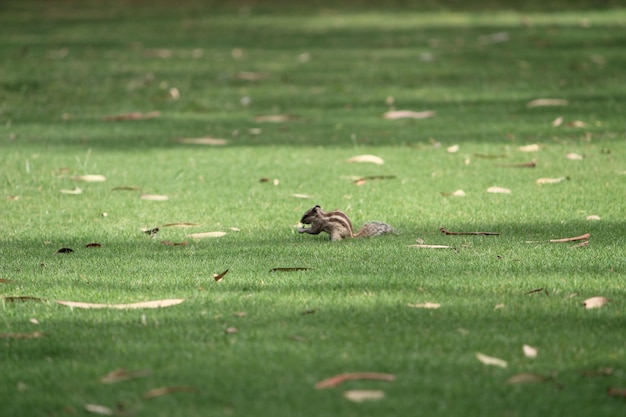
(564, 240)
(447, 232)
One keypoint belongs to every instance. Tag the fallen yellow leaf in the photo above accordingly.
(207, 234)
(595, 302)
(359, 396)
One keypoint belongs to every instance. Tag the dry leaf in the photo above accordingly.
(231, 330)
(593, 217)
(425, 305)
(204, 141)
(595, 302)
(577, 123)
(544, 102)
(154, 197)
(564, 240)
(498, 190)
(301, 195)
(33, 335)
(490, 360)
(421, 246)
(133, 116)
(207, 234)
(34, 321)
(603, 372)
(64, 250)
(122, 374)
(525, 378)
(143, 304)
(339, 379)
(550, 180)
(574, 156)
(367, 158)
(408, 114)
(616, 392)
(557, 122)
(457, 193)
(219, 276)
(529, 351)
(359, 396)
(99, 409)
(529, 148)
(276, 118)
(498, 306)
(75, 191)
(89, 178)
(453, 148)
(180, 224)
(159, 392)
(5, 281)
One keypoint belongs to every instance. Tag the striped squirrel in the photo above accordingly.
(338, 225)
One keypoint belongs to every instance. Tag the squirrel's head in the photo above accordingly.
(311, 214)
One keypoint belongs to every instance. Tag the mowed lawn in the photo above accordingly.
(221, 124)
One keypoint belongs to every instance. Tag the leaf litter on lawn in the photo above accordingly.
(121, 374)
(143, 304)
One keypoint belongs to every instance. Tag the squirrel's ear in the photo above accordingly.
(317, 207)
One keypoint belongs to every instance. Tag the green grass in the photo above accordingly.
(66, 65)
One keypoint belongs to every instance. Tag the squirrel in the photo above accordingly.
(338, 225)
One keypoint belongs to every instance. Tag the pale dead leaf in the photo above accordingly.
(235, 229)
(425, 305)
(525, 378)
(408, 114)
(143, 304)
(75, 191)
(341, 378)
(420, 246)
(207, 234)
(302, 196)
(359, 396)
(593, 217)
(122, 374)
(276, 118)
(557, 122)
(595, 302)
(453, 149)
(574, 156)
(159, 392)
(490, 360)
(498, 306)
(231, 330)
(498, 190)
(89, 178)
(373, 159)
(529, 148)
(577, 123)
(616, 392)
(550, 180)
(174, 93)
(457, 193)
(203, 141)
(99, 409)
(34, 321)
(529, 351)
(154, 197)
(545, 102)
(180, 224)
